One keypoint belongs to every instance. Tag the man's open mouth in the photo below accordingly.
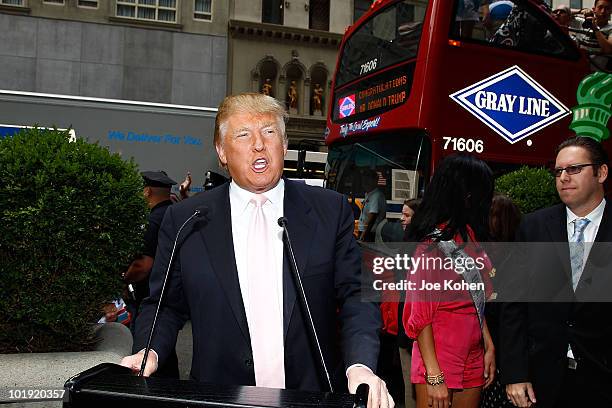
(260, 165)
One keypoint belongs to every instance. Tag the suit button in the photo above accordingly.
(248, 362)
(570, 323)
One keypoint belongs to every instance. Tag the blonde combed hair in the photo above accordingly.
(251, 103)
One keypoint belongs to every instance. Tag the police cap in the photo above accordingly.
(157, 179)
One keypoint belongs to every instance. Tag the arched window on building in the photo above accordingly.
(294, 86)
(267, 76)
(318, 89)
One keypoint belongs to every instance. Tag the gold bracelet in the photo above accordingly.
(437, 379)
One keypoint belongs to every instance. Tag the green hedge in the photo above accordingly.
(529, 188)
(71, 216)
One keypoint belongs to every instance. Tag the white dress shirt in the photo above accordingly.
(241, 211)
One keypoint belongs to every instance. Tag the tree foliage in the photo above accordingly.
(71, 216)
(529, 188)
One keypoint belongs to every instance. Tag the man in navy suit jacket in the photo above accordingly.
(555, 349)
(207, 281)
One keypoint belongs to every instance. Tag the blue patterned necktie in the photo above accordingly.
(577, 249)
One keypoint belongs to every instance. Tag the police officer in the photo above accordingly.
(157, 187)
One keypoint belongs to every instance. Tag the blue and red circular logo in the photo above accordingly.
(347, 106)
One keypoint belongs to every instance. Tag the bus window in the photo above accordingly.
(510, 24)
(389, 37)
(304, 164)
(400, 160)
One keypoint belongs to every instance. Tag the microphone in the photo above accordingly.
(361, 396)
(199, 213)
(282, 222)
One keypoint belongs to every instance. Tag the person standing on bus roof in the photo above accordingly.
(232, 276)
(374, 206)
(468, 14)
(597, 40)
(562, 14)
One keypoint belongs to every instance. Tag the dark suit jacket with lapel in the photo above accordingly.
(534, 335)
(203, 286)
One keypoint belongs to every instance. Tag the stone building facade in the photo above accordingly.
(166, 51)
(289, 49)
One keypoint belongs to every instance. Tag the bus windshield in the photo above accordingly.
(400, 160)
(390, 37)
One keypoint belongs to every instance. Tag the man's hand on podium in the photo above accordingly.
(379, 395)
(135, 361)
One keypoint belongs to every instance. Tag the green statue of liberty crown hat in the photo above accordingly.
(594, 97)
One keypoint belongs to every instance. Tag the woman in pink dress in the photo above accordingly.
(453, 357)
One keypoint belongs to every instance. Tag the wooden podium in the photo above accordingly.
(112, 385)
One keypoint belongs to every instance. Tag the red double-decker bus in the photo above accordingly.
(417, 80)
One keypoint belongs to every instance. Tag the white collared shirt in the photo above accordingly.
(241, 211)
(590, 232)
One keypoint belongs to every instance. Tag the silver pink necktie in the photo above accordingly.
(265, 312)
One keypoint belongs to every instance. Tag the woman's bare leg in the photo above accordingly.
(466, 398)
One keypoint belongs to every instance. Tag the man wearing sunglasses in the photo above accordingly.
(555, 345)
(564, 17)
